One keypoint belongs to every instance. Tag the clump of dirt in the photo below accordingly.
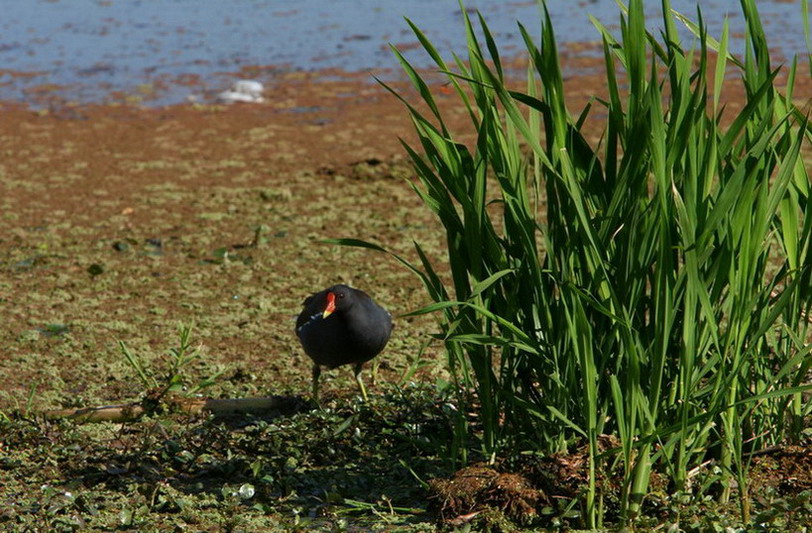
(479, 488)
(375, 168)
(560, 475)
(371, 168)
(788, 470)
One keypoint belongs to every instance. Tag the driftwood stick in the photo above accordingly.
(131, 411)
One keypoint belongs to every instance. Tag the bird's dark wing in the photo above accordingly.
(309, 308)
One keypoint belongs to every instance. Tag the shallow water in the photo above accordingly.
(163, 52)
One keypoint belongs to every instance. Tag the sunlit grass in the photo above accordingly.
(653, 286)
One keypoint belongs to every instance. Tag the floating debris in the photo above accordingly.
(248, 91)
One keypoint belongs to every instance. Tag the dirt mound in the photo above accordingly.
(477, 488)
(788, 470)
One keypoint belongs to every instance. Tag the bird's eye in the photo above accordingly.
(340, 295)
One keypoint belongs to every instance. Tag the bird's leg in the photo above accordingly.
(373, 376)
(316, 374)
(360, 382)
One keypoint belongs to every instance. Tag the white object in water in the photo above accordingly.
(249, 91)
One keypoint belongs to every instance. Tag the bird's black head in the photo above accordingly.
(339, 298)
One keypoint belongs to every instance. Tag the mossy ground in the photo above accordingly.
(119, 224)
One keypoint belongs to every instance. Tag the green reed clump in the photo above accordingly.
(654, 285)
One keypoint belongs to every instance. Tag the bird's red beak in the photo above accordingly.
(331, 305)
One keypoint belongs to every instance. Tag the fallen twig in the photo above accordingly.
(132, 411)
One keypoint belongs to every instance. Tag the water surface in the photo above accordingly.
(92, 50)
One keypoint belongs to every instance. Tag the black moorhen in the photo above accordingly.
(342, 326)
